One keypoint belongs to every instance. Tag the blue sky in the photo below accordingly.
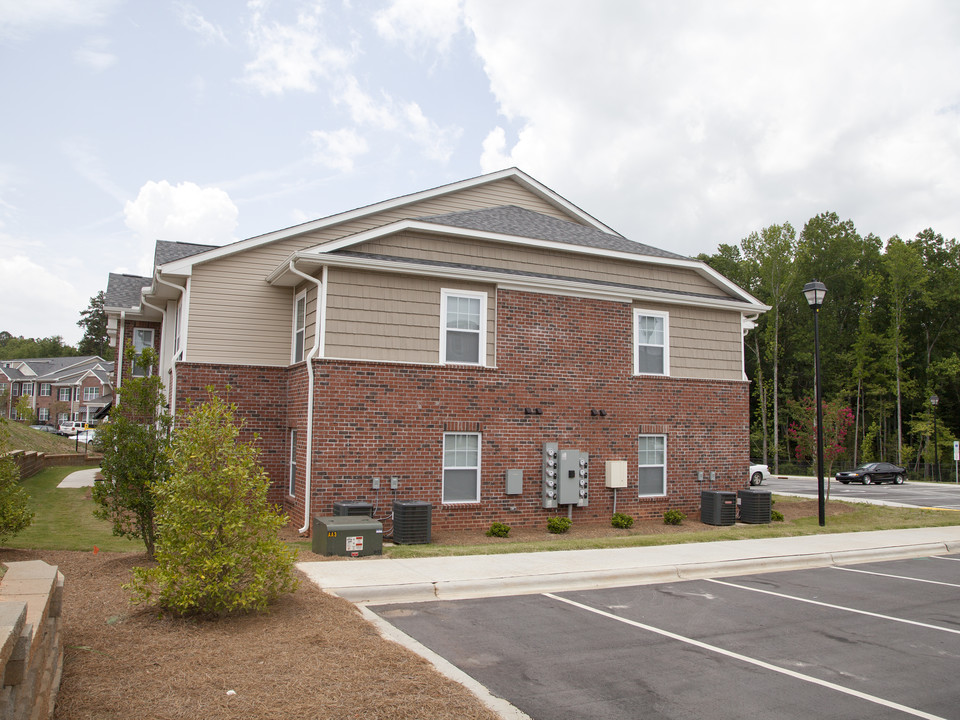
(681, 124)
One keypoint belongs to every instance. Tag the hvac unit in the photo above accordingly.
(352, 508)
(412, 520)
(718, 507)
(755, 506)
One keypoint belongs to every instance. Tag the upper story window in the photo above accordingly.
(91, 393)
(142, 339)
(299, 326)
(651, 346)
(26, 389)
(463, 327)
(63, 394)
(44, 389)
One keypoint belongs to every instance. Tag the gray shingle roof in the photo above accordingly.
(166, 251)
(513, 220)
(123, 291)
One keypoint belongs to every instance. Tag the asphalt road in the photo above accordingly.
(914, 494)
(878, 640)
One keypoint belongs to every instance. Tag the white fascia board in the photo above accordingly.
(550, 286)
(697, 266)
(184, 266)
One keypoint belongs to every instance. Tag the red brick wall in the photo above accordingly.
(564, 356)
(128, 328)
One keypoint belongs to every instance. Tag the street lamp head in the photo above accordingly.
(934, 400)
(814, 291)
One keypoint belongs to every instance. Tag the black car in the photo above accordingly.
(875, 472)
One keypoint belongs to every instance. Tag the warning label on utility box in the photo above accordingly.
(355, 543)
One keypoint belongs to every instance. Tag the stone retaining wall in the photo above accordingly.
(31, 653)
(31, 462)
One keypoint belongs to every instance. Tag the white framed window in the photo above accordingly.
(461, 467)
(651, 342)
(463, 327)
(292, 487)
(26, 389)
(90, 393)
(63, 394)
(652, 465)
(299, 326)
(43, 415)
(44, 389)
(142, 339)
(62, 418)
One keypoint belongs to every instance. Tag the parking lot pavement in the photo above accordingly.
(944, 496)
(879, 640)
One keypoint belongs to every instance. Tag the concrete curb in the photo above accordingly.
(588, 580)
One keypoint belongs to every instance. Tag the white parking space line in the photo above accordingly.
(752, 661)
(941, 557)
(835, 607)
(895, 577)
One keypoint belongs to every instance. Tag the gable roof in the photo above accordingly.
(123, 291)
(520, 222)
(166, 251)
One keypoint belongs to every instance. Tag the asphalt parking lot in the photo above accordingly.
(879, 640)
(911, 494)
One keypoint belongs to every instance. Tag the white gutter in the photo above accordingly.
(310, 356)
(173, 355)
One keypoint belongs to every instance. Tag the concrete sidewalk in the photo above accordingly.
(80, 478)
(384, 580)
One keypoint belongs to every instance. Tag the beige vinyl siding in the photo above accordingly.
(310, 316)
(537, 260)
(388, 317)
(237, 318)
(704, 343)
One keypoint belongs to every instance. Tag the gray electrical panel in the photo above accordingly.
(515, 482)
(549, 473)
(574, 476)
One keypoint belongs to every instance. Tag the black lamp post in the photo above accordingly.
(934, 401)
(814, 292)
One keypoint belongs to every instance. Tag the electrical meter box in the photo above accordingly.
(573, 478)
(549, 475)
(347, 535)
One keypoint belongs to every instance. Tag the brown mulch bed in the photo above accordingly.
(312, 656)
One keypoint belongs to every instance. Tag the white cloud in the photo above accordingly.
(682, 124)
(420, 23)
(292, 56)
(21, 18)
(191, 19)
(94, 54)
(179, 213)
(338, 149)
(37, 302)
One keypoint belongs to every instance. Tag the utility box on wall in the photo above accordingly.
(616, 474)
(573, 478)
(346, 535)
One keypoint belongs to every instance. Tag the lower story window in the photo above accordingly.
(652, 465)
(461, 467)
(292, 488)
(43, 414)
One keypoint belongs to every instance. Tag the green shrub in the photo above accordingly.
(673, 517)
(498, 529)
(218, 549)
(14, 513)
(776, 515)
(559, 524)
(619, 520)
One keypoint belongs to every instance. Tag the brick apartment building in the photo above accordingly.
(59, 389)
(485, 346)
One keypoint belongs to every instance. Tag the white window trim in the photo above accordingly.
(637, 314)
(133, 362)
(664, 466)
(89, 396)
(47, 387)
(445, 295)
(444, 468)
(293, 345)
(60, 394)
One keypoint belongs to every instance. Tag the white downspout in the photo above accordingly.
(121, 330)
(310, 356)
(173, 358)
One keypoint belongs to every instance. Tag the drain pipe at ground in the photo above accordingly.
(310, 356)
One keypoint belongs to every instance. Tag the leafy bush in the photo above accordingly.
(14, 513)
(498, 529)
(559, 524)
(776, 515)
(218, 549)
(673, 517)
(619, 520)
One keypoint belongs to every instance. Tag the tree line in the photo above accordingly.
(95, 341)
(889, 341)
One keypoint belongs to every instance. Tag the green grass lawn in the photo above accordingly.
(63, 518)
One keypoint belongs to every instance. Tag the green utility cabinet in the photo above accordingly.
(347, 535)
